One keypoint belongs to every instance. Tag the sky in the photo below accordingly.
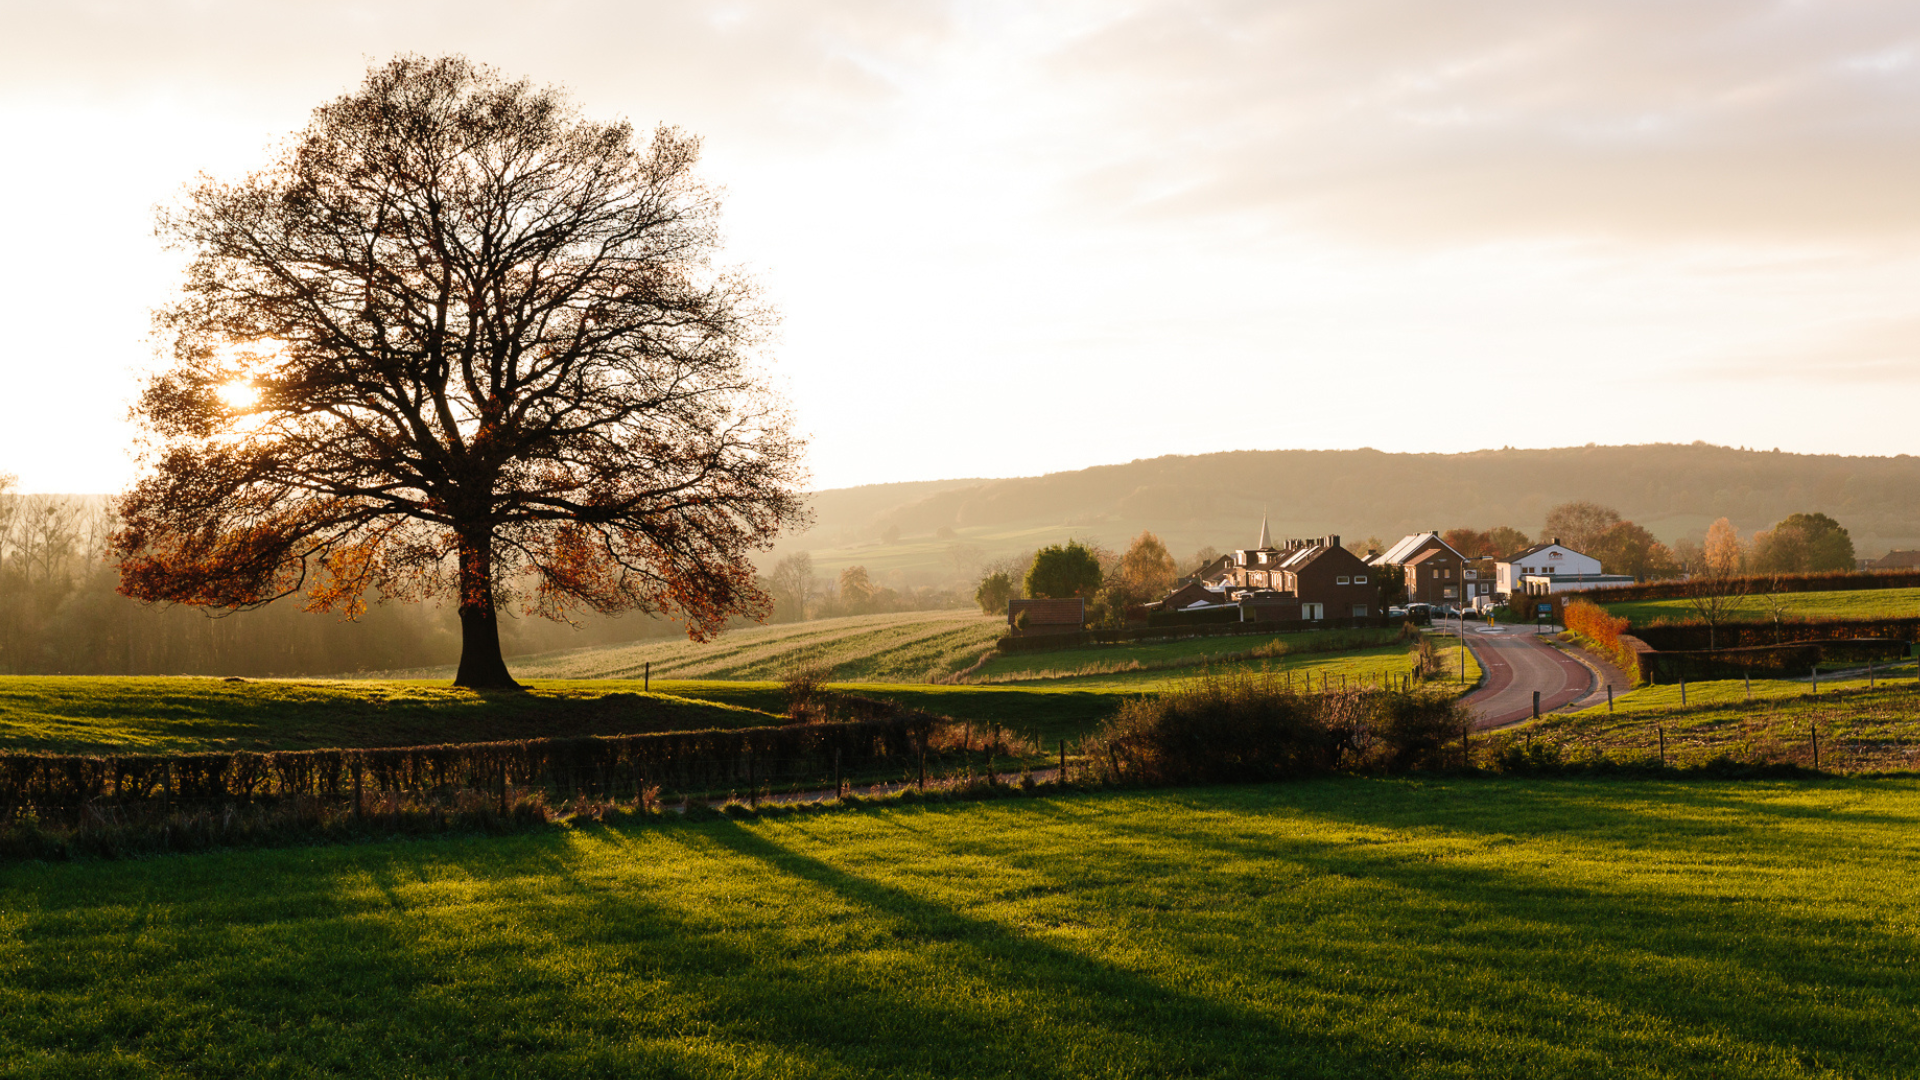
(1013, 238)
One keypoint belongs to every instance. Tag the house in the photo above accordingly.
(1895, 560)
(1549, 559)
(1030, 618)
(1434, 572)
(1329, 581)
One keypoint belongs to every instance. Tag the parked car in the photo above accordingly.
(1396, 612)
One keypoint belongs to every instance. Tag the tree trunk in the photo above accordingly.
(481, 665)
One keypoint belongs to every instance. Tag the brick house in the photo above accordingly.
(1067, 616)
(1435, 573)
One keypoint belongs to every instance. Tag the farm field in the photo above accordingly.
(1855, 604)
(1337, 928)
(163, 714)
(1860, 728)
(1178, 653)
(107, 714)
(907, 647)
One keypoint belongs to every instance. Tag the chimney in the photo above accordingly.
(1556, 540)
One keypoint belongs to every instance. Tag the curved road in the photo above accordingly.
(1518, 661)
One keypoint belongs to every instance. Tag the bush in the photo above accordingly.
(1252, 727)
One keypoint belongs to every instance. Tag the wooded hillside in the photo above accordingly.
(1218, 499)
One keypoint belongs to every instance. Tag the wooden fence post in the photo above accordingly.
(1663, 746)
(646, 678)
(1747, 676)
(1062, 778)
(1609, 697)
(1683, 688)
(1816, 678)
(1536, 704)
(1813, 734)
(356, 788)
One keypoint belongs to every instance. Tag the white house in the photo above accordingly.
(1552, 558)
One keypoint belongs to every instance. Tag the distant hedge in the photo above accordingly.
(1829, 581)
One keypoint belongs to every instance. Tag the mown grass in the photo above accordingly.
(1340, 928)
(1861, 727)
(1855, 604)
(104, 714)
(1094, 660)
(907, 647)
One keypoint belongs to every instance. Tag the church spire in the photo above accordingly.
(1266, 540)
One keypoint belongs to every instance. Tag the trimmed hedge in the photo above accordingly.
(1693, 636)
(1775, 661)
(1830, 581)
(605, 766)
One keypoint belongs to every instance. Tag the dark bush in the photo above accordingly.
(1253, 727)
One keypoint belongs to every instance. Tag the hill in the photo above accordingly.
(1218, 499)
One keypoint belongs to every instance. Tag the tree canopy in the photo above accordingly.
(459, 339)
(1803, 543)
(1061, 571)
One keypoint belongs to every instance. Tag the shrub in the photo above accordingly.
(1252, 727)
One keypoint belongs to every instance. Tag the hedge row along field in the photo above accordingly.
(1830, 581)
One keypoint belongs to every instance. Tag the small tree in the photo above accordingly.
(1146, 570)
(995, 590)
(1064, 570)
(1580, 525)
(1503, 541)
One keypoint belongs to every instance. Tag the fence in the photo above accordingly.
(60, 787)
(1694, 636)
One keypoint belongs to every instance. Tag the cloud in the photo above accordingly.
(1711, 118)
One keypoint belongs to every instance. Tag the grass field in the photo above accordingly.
(1860, 728)
(101, 714)
(1341, 928)
(1855, 604)
(909, 647)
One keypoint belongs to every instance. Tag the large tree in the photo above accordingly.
(1580, 525)
(1801, 544)
(458, 338)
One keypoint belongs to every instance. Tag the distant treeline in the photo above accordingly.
(61, 613)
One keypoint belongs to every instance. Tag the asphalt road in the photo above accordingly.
(1518, 662)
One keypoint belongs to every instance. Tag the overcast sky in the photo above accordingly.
(1011, 238)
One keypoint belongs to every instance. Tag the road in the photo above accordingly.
(1518, 661)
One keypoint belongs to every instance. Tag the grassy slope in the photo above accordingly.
(904, 647)
(88, 714)
(1856, 604)
(1336, 928)
(1860, 728)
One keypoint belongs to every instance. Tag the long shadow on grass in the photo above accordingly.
(1785, 985)
(1112, 1019)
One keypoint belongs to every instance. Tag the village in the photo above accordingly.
(1317, 582)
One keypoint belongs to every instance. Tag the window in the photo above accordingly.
(1359, 611)
(1343, 580)
(1359, 579)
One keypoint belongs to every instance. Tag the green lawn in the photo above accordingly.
(1860, 728)
(1339, 928)
(907, 647)
(1854, 604)
(1181, 653)
(102, 714)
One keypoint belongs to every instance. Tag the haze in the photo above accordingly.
(1011, 238)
